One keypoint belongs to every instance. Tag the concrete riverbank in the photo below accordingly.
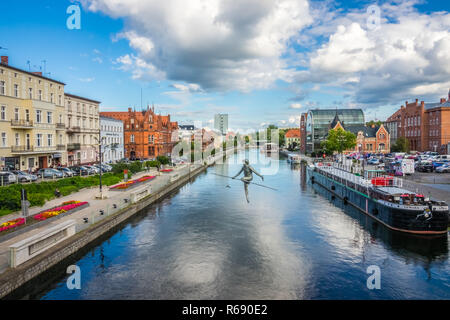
(93, 222)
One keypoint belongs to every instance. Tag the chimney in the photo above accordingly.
(406, 103)
(417, 102)
(442, 100)
(129, 109)
(37, 73)
(422, 103)
(4, 60)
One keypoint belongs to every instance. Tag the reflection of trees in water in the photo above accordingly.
(415, 249)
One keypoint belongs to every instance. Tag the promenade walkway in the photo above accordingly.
(92, 213)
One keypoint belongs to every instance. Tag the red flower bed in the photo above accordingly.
(166, 170)
(11, 224)
(125, 185)
(67, 206)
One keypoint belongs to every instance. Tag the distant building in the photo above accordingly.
(111, 135)
(425, 125)
(83, 129)
(369, 139)
(221, 123)
(185, 132)
(146, 134)
(316, 124)
(292, 136)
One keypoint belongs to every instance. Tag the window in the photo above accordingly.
(16, 90)
(3, 139)
(30, 93)
(39, 139)
(51, 97)
(132, 138)
(50, 139)
(38, 116)
(60, 100)
(49, 117)
(16, 114)
(17, 139)
(3, 113)
(2, 87)
(27, 115)
(40, 94)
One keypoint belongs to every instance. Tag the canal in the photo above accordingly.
(206, 242)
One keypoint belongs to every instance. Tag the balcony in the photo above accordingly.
(73, 146)
(60, 126)
(73, 129)
(22, 124)
(61, 147)
(22, 149)
(32, 149)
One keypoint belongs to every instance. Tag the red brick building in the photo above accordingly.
(425, 125)
(146, 134)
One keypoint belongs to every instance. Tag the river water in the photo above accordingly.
(206, 242)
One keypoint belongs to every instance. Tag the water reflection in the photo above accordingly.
(206, 242)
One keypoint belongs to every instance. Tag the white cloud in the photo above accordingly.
(407, 56)
(86, 79)
(216, 44)
(296, 106)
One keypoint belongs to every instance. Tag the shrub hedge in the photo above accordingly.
(39, 193)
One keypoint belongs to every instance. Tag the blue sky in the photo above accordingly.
(260, 61)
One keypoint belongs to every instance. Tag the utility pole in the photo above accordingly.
(100, 158)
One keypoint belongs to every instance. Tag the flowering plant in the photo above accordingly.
(71, 202)
(125, 185)
(166, 170)
(11, 224)
(58, 210)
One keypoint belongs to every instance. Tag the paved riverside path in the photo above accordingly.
(95, 205)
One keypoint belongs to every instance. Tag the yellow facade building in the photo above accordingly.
(32, 119)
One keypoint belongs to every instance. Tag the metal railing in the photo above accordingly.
(22, 123)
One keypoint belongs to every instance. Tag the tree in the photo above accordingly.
(339, 140)
(400, 145)
(247, 139)
(163, 159)
(376, 123)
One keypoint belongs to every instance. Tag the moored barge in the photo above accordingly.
(383, 199)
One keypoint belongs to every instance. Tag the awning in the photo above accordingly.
(57, 155)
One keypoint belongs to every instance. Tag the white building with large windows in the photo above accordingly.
(82, 128)
(111, 133)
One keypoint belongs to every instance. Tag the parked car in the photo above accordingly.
(425, 166)
(92, 169)
(79, 171)
(444, 168)
(373, 161)
(24, 177)
(7, 177)
(49, 173)
(67, 172)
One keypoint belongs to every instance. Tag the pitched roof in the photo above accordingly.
(293, 133)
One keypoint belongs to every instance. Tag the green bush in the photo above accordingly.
(37, 199)
(39, 193)
(163, 159)
(68, 190)
(153, 164)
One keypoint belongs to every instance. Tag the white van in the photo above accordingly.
(443, 157)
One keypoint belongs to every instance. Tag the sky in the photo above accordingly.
(260, 61)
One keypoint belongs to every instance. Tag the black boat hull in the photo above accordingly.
(403, 220)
